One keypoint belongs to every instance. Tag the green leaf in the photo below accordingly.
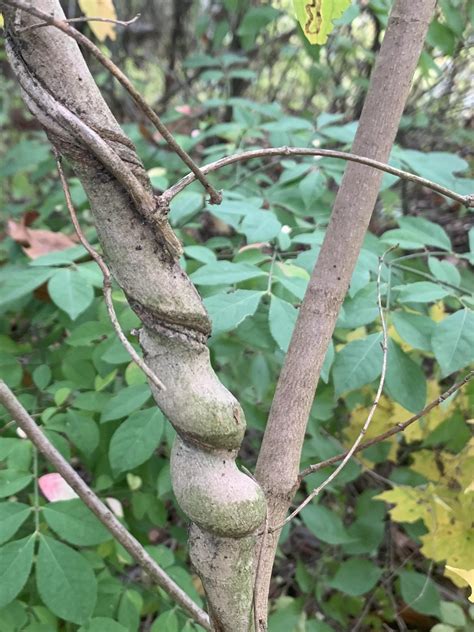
(10, 370)
(75, 523)
(225, 273)
(420, 292)
(136, 439)
(42, 376)
(282, 318)
(316, 17)
(14, 617)
(60, 257)
(255, 19)
(293, 278)
(328, 362)
(228, 310)
(18, 282)
(453, 341)
(356, 577)
(414, 329)
(82, 430)
(130, 607)
(103, 624)
(439, 166)
(314, 625)
(65, 580)
(127, 401)
(452, 614)
(420, 593)
(184, 206)
(25, 155)
(471, 245)
(116, 352)
(166, 621)
(312, 186)
(200, 253)
(88, 333)
(357, 364)
(70, 292)
(368, 529)
(405, 381)
(12, 516)
(361, 309)
(16, 559)
(260, 226)
(444, 271)
(417, 232)
(325, 524)
(91, 401)
(7, 445)
(13, 481)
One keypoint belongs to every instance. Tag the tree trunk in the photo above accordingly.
(279, 458)
(225, 506)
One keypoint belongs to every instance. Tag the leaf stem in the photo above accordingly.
(399, 427)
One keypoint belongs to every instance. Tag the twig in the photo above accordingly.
(373, 408)
(83, 19)
(107, 287)
(263, 534)
(215, 196)
(426, 275)
(466, 200)
(400, 427)
(106, 517)
(145, 202)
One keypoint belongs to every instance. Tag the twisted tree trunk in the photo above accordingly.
(224, 505)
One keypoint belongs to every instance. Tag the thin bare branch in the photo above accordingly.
(62, 25)
(84, 19)
(400, 427)
(107, 287)
(106, 517)
(169, 194)
(373, 408)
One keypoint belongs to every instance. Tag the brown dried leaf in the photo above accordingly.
(37, 243)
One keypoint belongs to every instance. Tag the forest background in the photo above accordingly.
(373, 552)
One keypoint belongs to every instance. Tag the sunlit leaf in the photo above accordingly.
(467, 575)
(316, 17)
(100, 9)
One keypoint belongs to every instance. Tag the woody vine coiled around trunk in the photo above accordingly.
(225, 506)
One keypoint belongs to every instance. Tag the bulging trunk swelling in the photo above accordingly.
(225, 506)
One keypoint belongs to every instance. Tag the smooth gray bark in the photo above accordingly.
(355, 201)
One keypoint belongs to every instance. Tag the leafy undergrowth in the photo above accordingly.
(390, 543)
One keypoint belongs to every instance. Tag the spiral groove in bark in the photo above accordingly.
(225, 506)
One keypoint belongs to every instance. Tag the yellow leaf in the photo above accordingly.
(467, 576)
(410, 504)
(356, 334)
(425, 463)
(100, 9)
(425, 426)
(387, 414)
(316, 17)
(469, 488)
(437, 312)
